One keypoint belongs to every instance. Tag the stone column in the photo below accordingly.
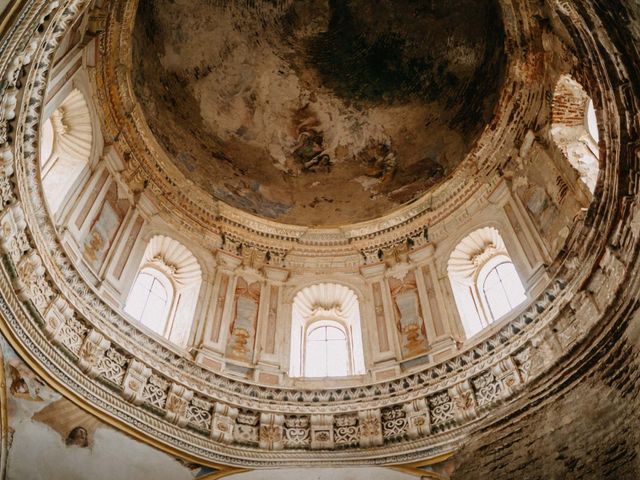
(270, 352)
(439, 324)
(216, 330)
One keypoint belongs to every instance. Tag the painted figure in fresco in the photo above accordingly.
(23, 385)
(408, 319)
(243, 328)
(77, 437)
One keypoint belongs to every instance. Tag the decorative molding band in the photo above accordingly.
(104, 363)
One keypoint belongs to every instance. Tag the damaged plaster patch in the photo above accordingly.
(288, 94)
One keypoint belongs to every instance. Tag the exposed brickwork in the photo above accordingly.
(569, 103)
(592, 431)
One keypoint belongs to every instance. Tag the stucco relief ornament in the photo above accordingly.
(346, 431)
(394, 422)
(134, 381)
(112, 366)
(271, 431)
(246, 430)
(418, 418)
(565, 7)
(177, 402)
(155, 391)
(67, 338)
(442, 408)
(199, 413)
(464, 402)
(296, 432)
(370, 428)
(14, 239)
(223, 422)
(93, 348)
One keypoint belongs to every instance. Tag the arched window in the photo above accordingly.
(485, 283)
(501, 288)
(165, 292)
(326, 352)
(326, 338)
(150, 299)
(65, 148)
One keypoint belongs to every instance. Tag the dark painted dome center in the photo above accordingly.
(318, 112)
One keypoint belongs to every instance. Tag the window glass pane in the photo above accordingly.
(316, 360)
(503, 290)
(317, 334)
(145, 280)
(149, 301)
(137, 300)
(334, 333)
(154, 314)
(327, 354)
(495, 295)
(158, 290)
(512, 284)
(337, 361)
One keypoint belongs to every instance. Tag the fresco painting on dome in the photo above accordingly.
(103, 230)
(408, 317)
(243, 328)
(317, 112)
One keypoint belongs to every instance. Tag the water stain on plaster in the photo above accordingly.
(318, 112)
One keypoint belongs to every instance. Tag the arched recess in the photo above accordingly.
(574, 129)
(65, 148)
(322, 316)
(485, 283)
(167, 266)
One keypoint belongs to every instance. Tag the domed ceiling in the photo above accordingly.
(317, 112)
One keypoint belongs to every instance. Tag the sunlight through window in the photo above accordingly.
(502, 290)
(326, 353)
(149, 300)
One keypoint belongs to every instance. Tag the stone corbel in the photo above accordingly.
(177, 402)
(322, 432)
(464, 402)
(271, 431)
(506, 373)
(31, 284)
(93, 347)
(13, 241)
(134, 381)
(418, 421)
(55, 317)
(222, 424)
(246, 429)
(370, 428)
(6, 162)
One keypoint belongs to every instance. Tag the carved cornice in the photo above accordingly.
(148, 164)
(92, 354)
